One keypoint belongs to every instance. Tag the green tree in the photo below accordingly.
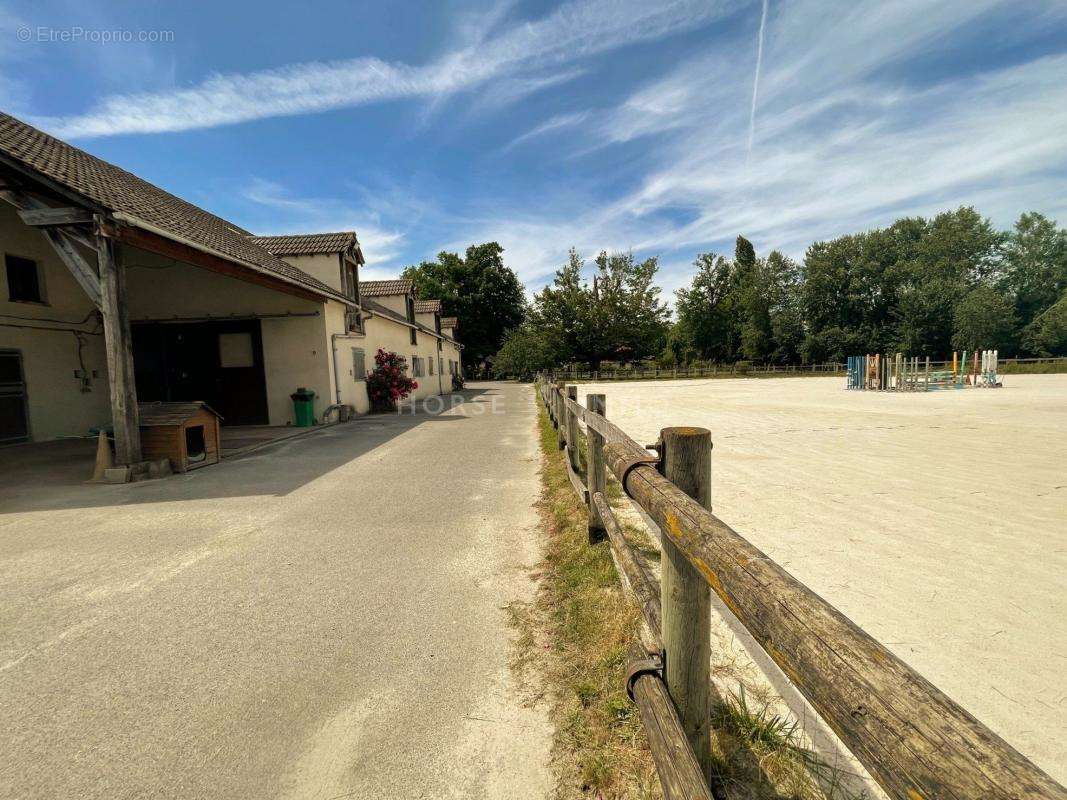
(708, 312)
(984, 320)
(896, 287)
(479, 289)
(1035, 265)
(617, 315)
(959, 246)
(757, 338)
(1047, 334)
(526, 350)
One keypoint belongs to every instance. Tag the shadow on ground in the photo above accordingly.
(50, 476)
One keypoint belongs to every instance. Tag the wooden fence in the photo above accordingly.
(916, 742)
(709, 371)
(1008, 365)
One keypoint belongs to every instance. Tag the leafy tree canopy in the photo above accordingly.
(480, 290)
(616, 315)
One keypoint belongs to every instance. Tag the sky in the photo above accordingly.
(665, 129)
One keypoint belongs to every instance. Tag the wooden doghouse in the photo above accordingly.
(186, 433)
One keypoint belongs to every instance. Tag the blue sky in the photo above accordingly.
(610, 124)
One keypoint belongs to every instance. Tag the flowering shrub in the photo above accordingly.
(388, 382)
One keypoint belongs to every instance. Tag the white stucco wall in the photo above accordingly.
(353, 389)
(394, 302)
(395, 337)
(324, 266)
(56, 403)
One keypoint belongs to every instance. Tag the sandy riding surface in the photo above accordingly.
(936, 521)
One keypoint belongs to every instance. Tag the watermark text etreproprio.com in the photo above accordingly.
(76, 33)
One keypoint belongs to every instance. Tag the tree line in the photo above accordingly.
(921, 286)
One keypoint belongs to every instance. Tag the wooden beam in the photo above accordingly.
(44, 217)
(677, 766)
(118, 343)
(62, 241)
(160, 245)
(81, 270)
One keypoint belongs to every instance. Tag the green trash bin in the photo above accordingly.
(303, 407)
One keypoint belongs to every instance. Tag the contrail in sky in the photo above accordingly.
(755, 83)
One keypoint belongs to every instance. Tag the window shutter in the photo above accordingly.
(359, 364)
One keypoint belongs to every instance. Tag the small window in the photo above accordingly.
(414, 336)
(430, 362)
(359, 364)
(23, 280)
(235, 350)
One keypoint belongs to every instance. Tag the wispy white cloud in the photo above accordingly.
(577, 29)
(381, 246)
(848, 137)
(558, 122)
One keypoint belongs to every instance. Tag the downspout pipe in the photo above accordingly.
(336, 374)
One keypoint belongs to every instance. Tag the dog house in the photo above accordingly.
(186, 433)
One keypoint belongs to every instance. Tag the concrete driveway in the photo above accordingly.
(322, 619)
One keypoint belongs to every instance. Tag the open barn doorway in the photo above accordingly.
(219, 363)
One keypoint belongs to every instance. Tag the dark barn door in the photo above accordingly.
(220, 363)
(14, 422)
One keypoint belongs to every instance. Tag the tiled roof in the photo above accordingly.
(120, 191)
(427, 306)
(448, 322)
(306, 244)
(385, 288)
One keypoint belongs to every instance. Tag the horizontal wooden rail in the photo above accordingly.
(634, 579)
(679, 771)
(575, 478)
(916, 741)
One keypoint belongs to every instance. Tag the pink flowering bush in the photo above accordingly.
(388, 383)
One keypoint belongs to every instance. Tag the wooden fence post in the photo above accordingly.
(572, 429)
(561, 416)
(685, 595)
(596, 475)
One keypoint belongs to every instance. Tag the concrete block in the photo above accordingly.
(117, 475)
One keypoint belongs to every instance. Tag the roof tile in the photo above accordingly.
(385, 288)
(427, 306)
(306, 244)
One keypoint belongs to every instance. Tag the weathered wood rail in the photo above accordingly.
(915, 741)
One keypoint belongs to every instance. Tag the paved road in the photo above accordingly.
(319, 620)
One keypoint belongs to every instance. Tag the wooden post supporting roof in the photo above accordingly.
(119, 344)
